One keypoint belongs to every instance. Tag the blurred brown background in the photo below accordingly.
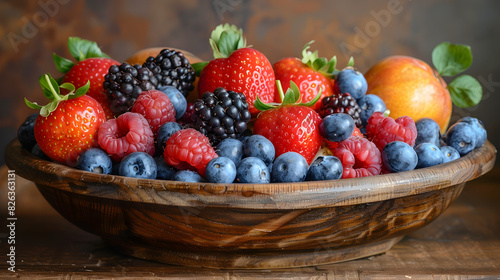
(30, 31)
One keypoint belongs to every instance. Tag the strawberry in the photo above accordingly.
(236, 67)
(311, 73)
(68, 124)
(91, 65)
(291, 126)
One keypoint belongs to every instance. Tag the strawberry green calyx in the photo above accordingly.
(321, 64)
(51, 90)
(224, 40)
(291, 97)
(80, 49)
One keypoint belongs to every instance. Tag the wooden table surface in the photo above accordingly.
(463, 243)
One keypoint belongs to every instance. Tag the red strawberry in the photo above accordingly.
(128, 133)
(189, 149)
(156, 107)
(311, 73)
(383, 130)
(92, 65)
(291, 127)
(359, 157)
(68, 124)
(237, 68)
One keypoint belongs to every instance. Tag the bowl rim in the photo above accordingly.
(302, 195)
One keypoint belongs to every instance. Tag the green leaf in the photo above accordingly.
(199, 66)
(32, 105)
(50, 87)
(81, 91)
(68, 86)
(63, 65)
(350, 63)
(82, 49)
(225, 39)
(261, 106)
(451, 59)
(465, 91)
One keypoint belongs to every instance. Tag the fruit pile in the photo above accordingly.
(299, 119)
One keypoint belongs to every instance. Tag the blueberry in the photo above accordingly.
(398, 156)
(462, 137)
(230, 148)
(369, 104)
(449, 153)
(221, 170)
(95, 160)
(478, 128)
(164, 132)
(351, 81)
(260, 147)
(289, 167)
(325, 168)
(428, 131)
(177, 99)
(37, 151)
(163, 170)
(26, 132)
(252, 170)
(428, 155)
(187, 176)
(337, 127)
(138, 165)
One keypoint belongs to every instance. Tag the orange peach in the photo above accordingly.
(410, 87)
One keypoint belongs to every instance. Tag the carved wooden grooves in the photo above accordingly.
(251, 226)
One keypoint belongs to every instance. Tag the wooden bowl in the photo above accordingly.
(251, 225)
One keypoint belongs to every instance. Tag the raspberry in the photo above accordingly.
(128, 133)
(156, 107)
(189, 149)
(359, 157)
(332, 145)
(383, 130)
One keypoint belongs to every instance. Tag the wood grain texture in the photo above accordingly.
(251, 226)
(462, 243)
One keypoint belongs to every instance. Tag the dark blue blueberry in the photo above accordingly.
(26, 132)
(398, 156)
(289, 167)
(428, 155)
(95, 160)
(462, 137)
(221, 170)
(428, 131)
(337, 127)
(138, 165)
(36, 151)
(162, 135)
(163, 170)
(351, 81)
(230, 148)
(478, 128)
(177, 99)
(325, 168)
(260, 147)
(369, 104)
(187, 176)
(252, 170)
(449, 153)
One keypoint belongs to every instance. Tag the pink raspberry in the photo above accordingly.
(128, 133)
(383, 130)
(156, 107)
(189, 149)
(359, 157)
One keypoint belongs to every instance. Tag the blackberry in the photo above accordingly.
(124, 83)
(341, 103)
(221, 114)
(172, 68)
